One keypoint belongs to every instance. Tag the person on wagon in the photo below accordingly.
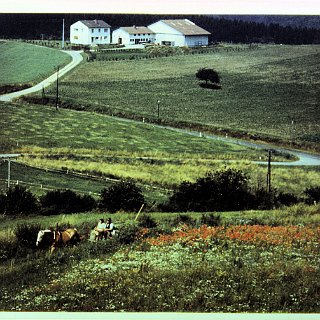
(109, 230)
(99, 229)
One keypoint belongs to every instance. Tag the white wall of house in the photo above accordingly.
(81, 34)
(167, 35)
(122, 36)
(196, 41)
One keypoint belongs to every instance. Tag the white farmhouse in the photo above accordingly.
(133, 35)
(90, 32)
(179, 33)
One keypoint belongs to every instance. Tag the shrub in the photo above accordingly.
(218, 191)
(183, 219)
(286, 199)
(210, 220)
(145, 221)
(65, 201)
(127, 233)
(313, 195)
(18, 200)
(27, 234)
(124, 195)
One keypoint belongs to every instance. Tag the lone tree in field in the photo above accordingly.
(209, 75)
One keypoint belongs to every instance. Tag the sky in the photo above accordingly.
(295, 7)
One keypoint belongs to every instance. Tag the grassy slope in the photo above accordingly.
(263, 90)
(25, 63)
(88, 142)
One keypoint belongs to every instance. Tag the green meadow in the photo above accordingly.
(247, 261)
(23, 63)
(272, 91)
(104, 146)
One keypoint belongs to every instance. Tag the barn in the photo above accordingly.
(179, 33)
(90, 32)
(133, 35)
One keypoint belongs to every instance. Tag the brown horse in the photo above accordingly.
(55, 239)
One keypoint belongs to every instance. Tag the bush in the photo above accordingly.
(65, 201)
(183, 219)
(313, 195)
(124, 195)
(286, 199)
(218, 191)
(127, 233)
(210, 220)
(18, 200)
(145, 221)
(27, 235)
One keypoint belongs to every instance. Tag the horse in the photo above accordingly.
(55, 238)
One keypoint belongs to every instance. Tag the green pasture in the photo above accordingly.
(25, 63)
(271, 91)
(106, 146)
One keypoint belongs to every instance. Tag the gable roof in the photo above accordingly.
(95, 23)
(186, 27)
(135, 29)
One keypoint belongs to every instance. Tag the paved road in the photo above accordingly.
(76, 59)
(304, 158)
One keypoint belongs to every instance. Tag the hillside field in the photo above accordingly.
(245, 261)
(104, 146)
(22, 63)
(272, 91)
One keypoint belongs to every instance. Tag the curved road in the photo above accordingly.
(305, 159)
(76, 59)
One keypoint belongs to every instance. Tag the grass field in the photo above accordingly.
(24, 63)
(271, 91)
(234, 267)
(106, 146)
(254, 261)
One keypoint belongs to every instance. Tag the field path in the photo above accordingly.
(76, 59)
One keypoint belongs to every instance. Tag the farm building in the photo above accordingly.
(133, 35)
(179, 32)
(90, 32)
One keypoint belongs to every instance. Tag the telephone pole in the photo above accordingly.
(62, 42)
(269, 172)
(57, 90)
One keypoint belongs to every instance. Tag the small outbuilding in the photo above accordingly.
(133, 35)
(90, 32)
(179, 33)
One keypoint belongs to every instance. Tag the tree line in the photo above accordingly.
(49, 26)
(225, 190)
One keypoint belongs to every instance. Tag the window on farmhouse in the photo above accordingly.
(99, 30)
(105, 30)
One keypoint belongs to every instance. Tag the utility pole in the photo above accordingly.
(9, 172)
(269, 172)
(62, 42)
(57, 90)
(158, 110)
